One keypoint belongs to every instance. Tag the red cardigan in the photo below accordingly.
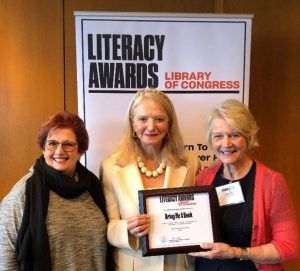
(274, 218)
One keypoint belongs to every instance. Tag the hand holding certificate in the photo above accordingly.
(181, 219)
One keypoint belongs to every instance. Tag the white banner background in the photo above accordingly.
(214, 48)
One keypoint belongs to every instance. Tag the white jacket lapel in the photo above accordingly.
(131, 181)
(175, 177)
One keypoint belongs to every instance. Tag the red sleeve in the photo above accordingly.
(283, 223)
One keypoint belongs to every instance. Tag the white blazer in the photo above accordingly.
(121, 186)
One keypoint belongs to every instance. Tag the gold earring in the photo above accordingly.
(134, 135)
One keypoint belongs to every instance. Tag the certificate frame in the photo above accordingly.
(186, 201)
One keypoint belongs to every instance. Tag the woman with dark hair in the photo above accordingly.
(54, 218)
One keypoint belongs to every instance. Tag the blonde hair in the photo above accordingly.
(237, 115)
(172, 150)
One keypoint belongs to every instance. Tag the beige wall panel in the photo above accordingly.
(274, 86)
(191, 6)
(31, 80)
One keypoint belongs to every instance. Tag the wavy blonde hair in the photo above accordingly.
(172, 150)
(237, 115)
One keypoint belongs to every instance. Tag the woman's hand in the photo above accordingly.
(138, 225)
(216, 251)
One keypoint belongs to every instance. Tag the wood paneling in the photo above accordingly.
(31, 80)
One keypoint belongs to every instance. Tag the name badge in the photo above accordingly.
(230, 194)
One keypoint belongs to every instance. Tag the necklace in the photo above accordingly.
(151, 173)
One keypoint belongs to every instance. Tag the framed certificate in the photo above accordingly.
(181, 219)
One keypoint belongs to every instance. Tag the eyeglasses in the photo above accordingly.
(68, 146)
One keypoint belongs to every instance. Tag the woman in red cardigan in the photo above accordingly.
(256, 219)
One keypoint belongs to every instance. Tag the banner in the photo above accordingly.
(198, 60)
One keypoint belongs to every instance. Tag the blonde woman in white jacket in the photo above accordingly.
(151, 155)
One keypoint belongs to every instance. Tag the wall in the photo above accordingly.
(31, 80)
(38, 75)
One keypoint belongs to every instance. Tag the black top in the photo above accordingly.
(235, 221)
(235, 224)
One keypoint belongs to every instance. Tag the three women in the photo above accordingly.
(55, 216)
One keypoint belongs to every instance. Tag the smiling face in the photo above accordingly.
(151, 124)
(227, 143)
(59, 159)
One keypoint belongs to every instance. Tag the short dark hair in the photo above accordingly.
(63, 120)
